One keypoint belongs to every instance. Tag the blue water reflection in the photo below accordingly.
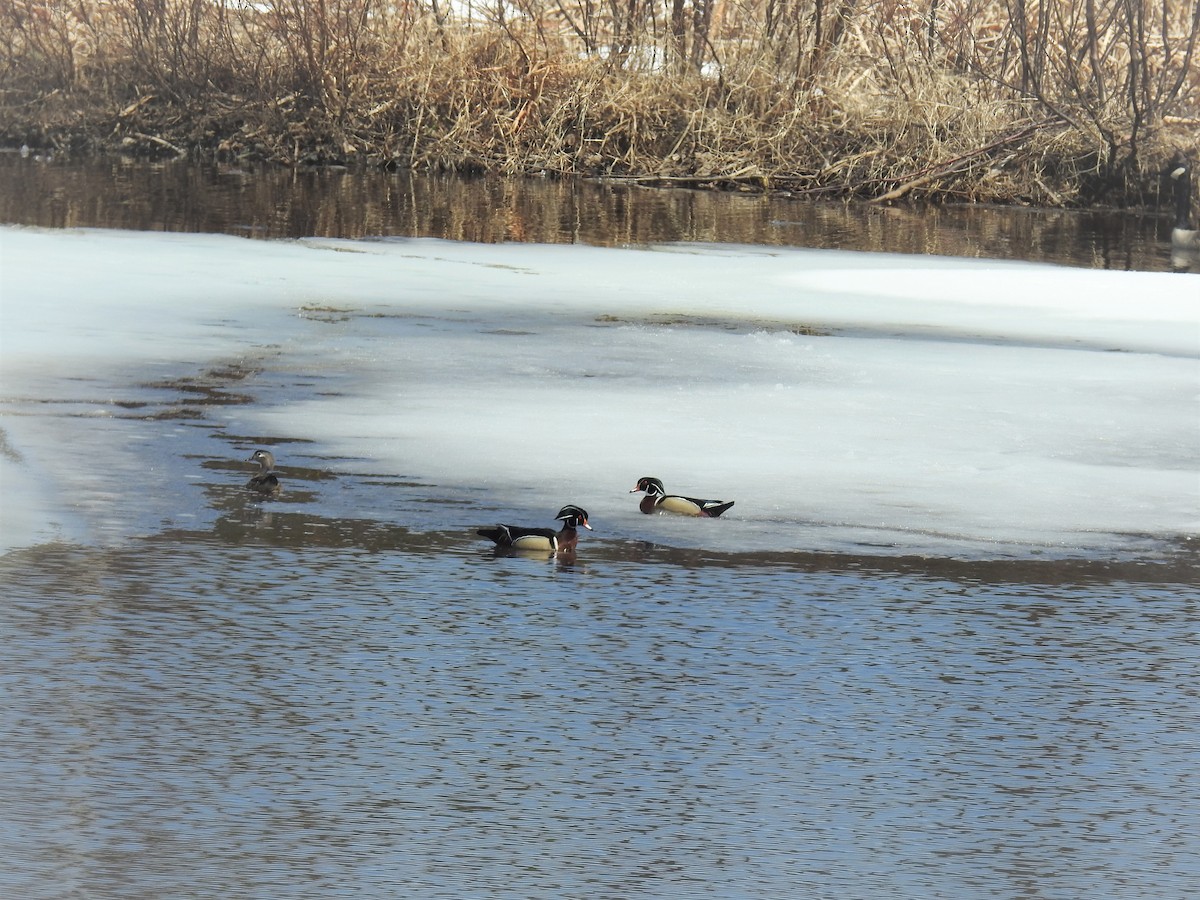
(189, 716)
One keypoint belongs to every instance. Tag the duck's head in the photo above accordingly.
(1179, 167)
(265, 459)
(574, 516)
(652, 486)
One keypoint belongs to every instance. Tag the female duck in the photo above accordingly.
(545, 540)
(658, 500)
(265, 482)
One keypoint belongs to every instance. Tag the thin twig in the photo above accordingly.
(160, 141)
(960, 163)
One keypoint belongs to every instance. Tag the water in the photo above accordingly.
(249, 712)
(268, 202)
(346, 693)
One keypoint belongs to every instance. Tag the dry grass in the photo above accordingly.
(1058, 102)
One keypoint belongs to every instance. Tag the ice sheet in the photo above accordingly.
(924, 403)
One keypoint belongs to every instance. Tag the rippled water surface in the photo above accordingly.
(380, 714)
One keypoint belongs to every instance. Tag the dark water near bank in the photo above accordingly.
(270, 202)
(332, 695)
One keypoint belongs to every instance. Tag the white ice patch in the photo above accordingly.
(839, 398)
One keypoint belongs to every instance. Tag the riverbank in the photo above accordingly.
(907, 102)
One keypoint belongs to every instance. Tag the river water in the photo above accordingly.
(269, 202)
(303, 698)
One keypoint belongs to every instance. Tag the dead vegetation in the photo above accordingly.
(1049, 102)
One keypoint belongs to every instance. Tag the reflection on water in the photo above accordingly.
(270, 202)
(244, 713)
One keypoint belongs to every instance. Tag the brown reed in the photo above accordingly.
(1048, 102)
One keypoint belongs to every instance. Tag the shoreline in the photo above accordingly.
(1151, 200)
(947, 183)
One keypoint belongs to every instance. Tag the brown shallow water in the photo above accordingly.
(271, 202)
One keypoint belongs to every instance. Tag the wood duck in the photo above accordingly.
(265, 482)
(658, 500)
(546, 540)
(1184, 236)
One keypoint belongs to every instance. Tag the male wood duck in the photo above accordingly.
(658, 500)
(546, 540)
(265, 482)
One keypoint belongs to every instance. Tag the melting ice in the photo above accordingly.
(842, 399)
